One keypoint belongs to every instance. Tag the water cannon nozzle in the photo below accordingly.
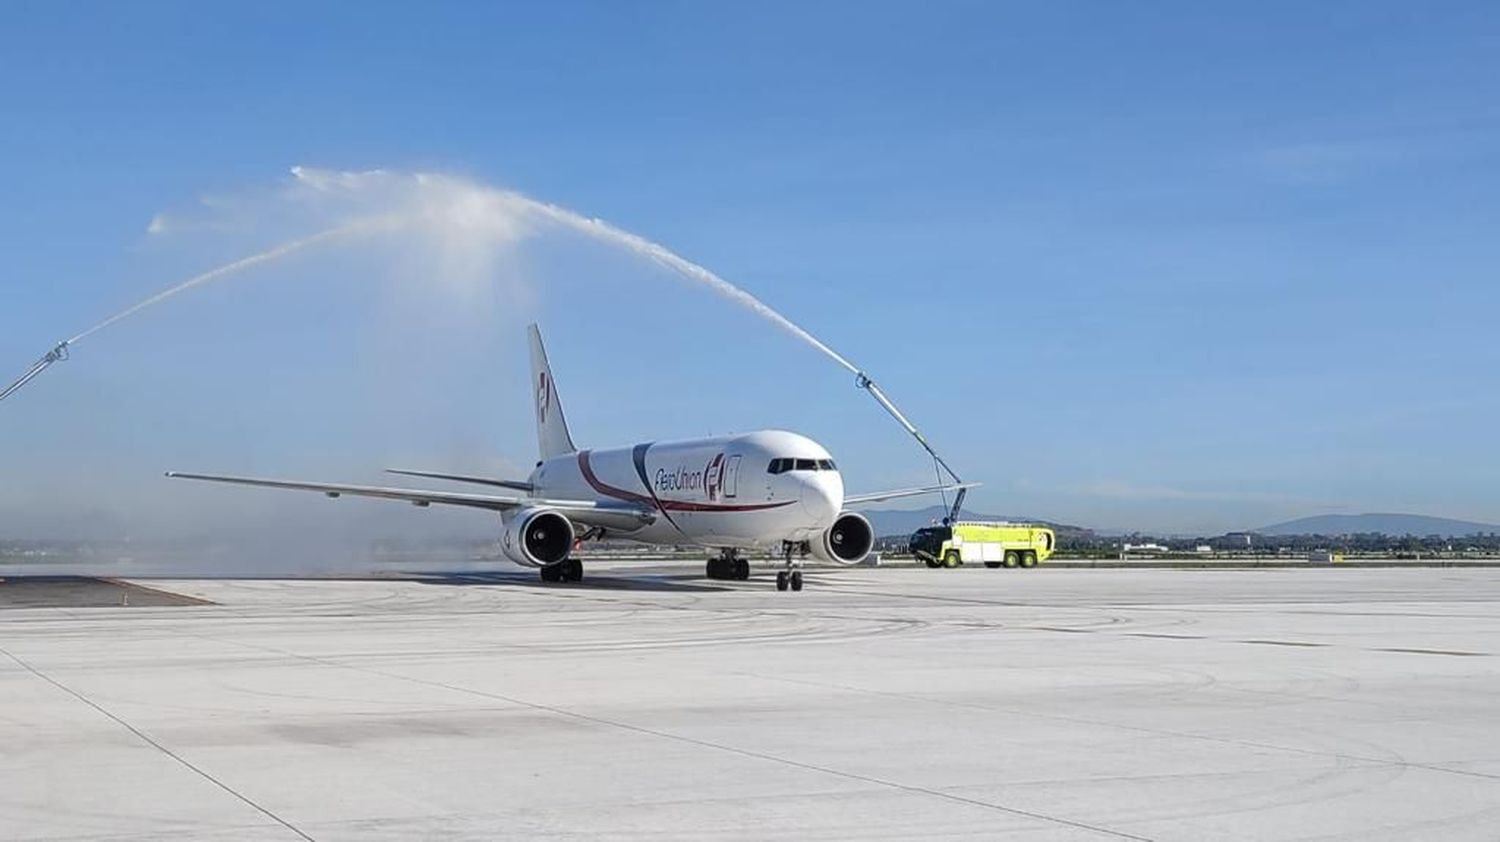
(863, 380)
(57, 354)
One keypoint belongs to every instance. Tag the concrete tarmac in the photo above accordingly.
(649, 703)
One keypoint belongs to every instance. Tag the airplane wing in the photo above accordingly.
(514, 485)
(854, 499)
(591, 512)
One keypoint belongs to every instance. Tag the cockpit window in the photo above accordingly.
(781, 466)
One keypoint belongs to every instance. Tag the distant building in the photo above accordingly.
(1238, 540)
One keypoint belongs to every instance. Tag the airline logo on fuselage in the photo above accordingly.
(709, 479)
(716, 472)
(714, 476)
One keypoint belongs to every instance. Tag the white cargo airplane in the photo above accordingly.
(764, 490)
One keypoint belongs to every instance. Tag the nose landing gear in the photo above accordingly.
(791, 577)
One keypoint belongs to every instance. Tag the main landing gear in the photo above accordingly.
(567, 570)
(729, 565)
(791, 577)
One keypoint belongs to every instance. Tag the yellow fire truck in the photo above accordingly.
(995, 544)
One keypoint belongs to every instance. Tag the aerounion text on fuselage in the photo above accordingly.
(765, 490)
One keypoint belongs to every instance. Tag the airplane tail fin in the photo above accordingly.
(551, 429)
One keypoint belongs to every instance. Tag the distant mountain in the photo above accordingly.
(1386, 524)
(888, 522)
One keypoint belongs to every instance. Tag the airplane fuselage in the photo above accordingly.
(743, 491)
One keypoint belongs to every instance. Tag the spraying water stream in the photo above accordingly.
(601, 230)
(462, 215)
(223, 271)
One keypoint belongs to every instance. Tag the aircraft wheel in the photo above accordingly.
(741, 569)
(572, 570)
(933, 563)
(1012, 558)
(796, 580)
(551, 574)
(781, 580)
(992, 564)
(952, 559)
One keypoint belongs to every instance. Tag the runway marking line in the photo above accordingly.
(1305, 644)
(149, 740)
(1414, 651)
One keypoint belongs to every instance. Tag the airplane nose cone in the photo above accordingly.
(823, 497)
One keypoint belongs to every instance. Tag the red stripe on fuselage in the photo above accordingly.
(685, 506)
(618, 493)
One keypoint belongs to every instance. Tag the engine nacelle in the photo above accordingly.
(537, 538)
(848, 541)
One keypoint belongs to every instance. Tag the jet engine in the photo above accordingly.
(537, 538)
(847, 541)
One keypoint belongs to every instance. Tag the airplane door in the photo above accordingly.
(732, 477)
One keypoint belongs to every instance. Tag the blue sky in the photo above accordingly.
(1172, 266)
